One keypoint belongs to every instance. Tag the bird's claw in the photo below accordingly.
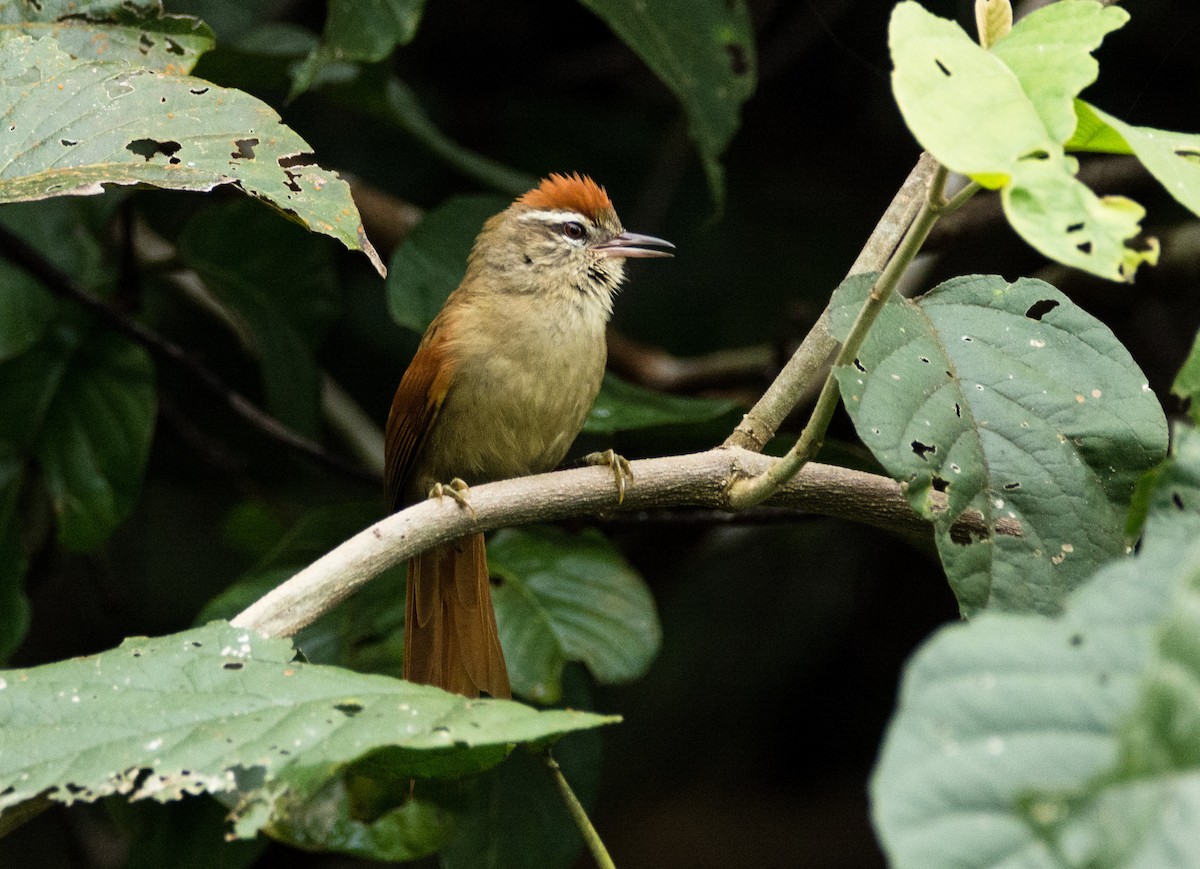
(456, 489)
(622, 472)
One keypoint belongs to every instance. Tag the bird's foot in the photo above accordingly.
(456, 489)
(622, 473)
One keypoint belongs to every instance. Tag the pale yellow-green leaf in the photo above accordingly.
(1065, 220)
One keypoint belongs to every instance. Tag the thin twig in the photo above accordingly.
(17, 251)
(807, 366)
(587, 830)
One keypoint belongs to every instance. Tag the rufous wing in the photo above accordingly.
(414, 411)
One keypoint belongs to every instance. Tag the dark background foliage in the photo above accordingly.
(750, 741)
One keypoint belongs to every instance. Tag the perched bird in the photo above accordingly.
(499, 388)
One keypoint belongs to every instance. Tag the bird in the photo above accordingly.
(499, 387)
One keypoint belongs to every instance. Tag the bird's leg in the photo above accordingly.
(456, 489)
(622, 473)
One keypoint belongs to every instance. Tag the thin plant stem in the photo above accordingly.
(748, 491)
(590, 837)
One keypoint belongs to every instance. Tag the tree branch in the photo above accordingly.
(807, 365)
(695, 480)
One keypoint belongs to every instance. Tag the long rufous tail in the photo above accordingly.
(450, 636)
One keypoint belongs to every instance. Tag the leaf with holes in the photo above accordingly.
(1015, 421)
(1061, 217)
(703, 50)
(567, 597)
(134, 31)
(1067, 742)
(223, 710)
(74, 126)
(1002, 116)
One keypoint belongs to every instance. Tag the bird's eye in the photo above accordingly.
(574, 230)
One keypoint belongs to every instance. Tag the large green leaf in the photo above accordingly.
(135, 31)
(286, 302)
(433, 259)
(1002, 116)
(359, 30)
(226, 711)
(1068, 742)
(74, 126)
(567, 597)
(82, 404)
(1024, 412)
(703, 50)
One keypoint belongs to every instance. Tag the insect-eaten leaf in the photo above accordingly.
(223, 710)
(1052, 728)
(1003, 116)
(74, 126)
(1014, 420)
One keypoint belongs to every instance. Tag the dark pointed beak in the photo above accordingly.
(630, 244)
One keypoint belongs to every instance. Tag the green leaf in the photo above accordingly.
(515, 818)
(357, 814)
(961, 102)
(1063, 219)
(75, 125)
(224, 710)
(433, 259)
(621, 406)
(14, 606)
(1187, 381)
(359, 30)
(25, 311)
(1050, 52)
(1002, 116)
(1020, 409)
(703, 50)
(134, 31)
(1024, 741)
(1094, 135)
(566, 598)
(82, 404)
(1172, 158)
(286, 303)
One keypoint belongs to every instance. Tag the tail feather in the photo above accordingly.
(450, 636)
